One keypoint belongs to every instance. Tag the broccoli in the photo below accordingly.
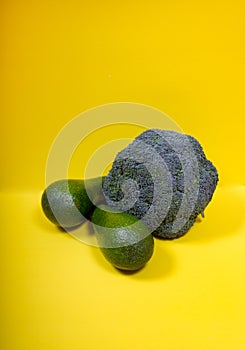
(164, 179)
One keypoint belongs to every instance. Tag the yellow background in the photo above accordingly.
(59, 58)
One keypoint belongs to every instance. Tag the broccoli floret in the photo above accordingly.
(163, 178)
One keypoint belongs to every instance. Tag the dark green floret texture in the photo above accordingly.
(163, 178)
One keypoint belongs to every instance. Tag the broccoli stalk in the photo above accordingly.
(163, 178)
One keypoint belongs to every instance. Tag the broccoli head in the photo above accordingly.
(163, 178)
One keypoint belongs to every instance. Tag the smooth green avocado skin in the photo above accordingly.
(66, 202)
(126, 248)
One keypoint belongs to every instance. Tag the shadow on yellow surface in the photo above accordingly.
(60, 285)
(224, 217)
(157, 268)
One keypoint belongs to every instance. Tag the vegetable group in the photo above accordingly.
(158, 184)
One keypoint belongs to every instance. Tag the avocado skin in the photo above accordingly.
(132, 257)
(66, 202)
(126, 248)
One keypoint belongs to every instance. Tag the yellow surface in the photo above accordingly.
(59, 58)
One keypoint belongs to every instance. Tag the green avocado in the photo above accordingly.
(67, 203)
(124, 240)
